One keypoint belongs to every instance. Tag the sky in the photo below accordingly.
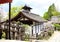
(38, 6)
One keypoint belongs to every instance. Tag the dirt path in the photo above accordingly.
(55, 37)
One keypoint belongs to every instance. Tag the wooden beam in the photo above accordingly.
(32, 30)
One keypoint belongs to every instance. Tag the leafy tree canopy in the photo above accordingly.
(51, 12)
(46, 16)
(15, 10)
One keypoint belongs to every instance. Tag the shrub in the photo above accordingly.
(26, 37)
(3, 35)
(46, 34)
(57, 27)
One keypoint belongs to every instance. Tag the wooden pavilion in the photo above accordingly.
(24, 17)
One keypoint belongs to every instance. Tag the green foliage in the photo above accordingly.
(26, 37)
(46, 16)
(15, 11)
(57, 26)
(45, 35)
(52, 8)
(56, 13)
(25, 26)
(51, 12)
(3, 35)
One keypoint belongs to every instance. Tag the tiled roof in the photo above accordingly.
(34, 17)
(28, 15)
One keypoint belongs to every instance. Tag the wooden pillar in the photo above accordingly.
(38, 28)
(22, 33)
(32, 30)
(35, 27)
(9, 19)
(18, 32)
(13, 35)
(6, 32)
(0, 32)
